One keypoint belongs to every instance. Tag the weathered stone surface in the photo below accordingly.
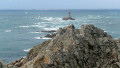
(2, 65)
(87, 47)
(17, 63)
(50, 35)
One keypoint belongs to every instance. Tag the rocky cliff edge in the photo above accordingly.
(87, 47)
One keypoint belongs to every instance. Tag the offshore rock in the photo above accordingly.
(68, 17)
(87, 47)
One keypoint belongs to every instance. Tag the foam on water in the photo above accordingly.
(26, 50)
(48, 29)
(41, 38)
(8, 30)
(36, 32)
(53, 19)
(24, 26)
(39, 26)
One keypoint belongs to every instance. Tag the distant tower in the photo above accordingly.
(68, 17)
(69, 14)
(39, 16)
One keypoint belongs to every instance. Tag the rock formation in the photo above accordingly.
(2, 65)
(51, 31)
(50, 35)
(87, 47)
(68, 17)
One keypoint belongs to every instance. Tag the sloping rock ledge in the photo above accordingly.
(87, 47)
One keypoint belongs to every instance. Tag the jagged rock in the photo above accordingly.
(68, 17)
(50, 35)
(50, 31)
(87, 47)
(2, 65)
(17, 63)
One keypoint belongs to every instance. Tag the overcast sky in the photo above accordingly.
(59, 4)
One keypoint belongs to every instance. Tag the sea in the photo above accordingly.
(20, 29)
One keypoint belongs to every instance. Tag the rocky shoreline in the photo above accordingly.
(87, 47)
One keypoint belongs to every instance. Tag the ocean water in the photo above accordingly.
(18, 27)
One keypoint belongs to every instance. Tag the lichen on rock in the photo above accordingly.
(87, 47)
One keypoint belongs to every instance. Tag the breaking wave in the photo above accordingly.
(26, 50)
(48, 29)
(41, 38)
(8, 30)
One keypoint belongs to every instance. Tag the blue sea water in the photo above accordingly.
(18, 27)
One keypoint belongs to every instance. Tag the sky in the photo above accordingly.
(59, 4)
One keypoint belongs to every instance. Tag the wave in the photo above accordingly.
(48, 29)
(53, 19)
(36, 32)
(24, 26)
(48, 18)
(41, 38)
(39, 23)
(26, 50)
(39, 26)
(8, 30)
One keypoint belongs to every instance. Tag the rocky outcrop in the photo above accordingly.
(50, 35)
(50, 31)
(68, 17)
(2, 65)
(87, 47)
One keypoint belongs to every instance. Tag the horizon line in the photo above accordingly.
(60, 9)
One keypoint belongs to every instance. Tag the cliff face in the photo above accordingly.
(87, 47)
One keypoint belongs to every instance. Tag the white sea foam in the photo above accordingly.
(46, 38)
(39, 26)
(24, 26)
(105, 31)
(53, 19)
(26, 50)
(35, 32)
(8, 30)
(41, 38)
(39, 23)
(50, 29)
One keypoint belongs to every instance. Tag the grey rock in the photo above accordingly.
(50, 35)
(50, 31)
(87, 47)
(2, 65)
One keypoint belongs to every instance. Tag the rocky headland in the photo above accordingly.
(87, 47)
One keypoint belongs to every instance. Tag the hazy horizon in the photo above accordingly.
(59, 4)
(59, 9)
